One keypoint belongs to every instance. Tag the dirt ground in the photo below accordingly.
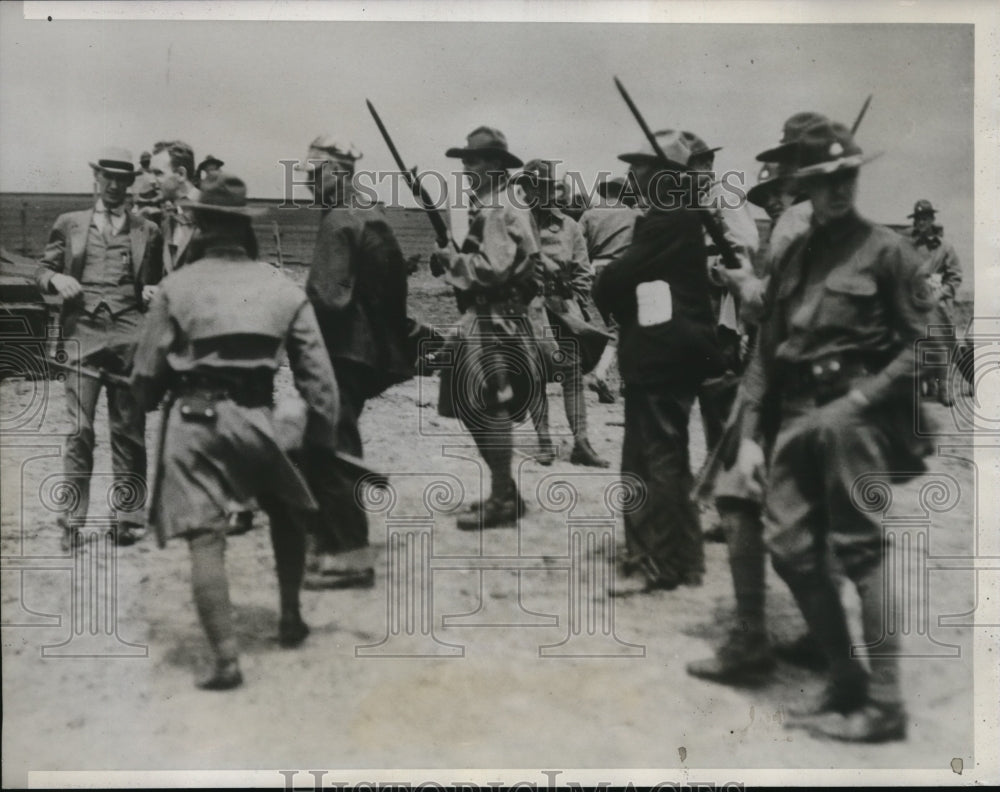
(442, 664)
(502, 704)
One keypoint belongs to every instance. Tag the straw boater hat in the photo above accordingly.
(115, 162)
(224, 194)
(489, 142)
(671, 142)
(923, 207)
(827, 147)
(328, 147)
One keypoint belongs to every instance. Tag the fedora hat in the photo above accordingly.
(223, 194)
(697, 145)
(537, 170)
(671, 142)
(611, 188)
(790, 133)
(827, 147)
(488, 142)
(208, 162)
(114, 161)
(328, 147)
(923, 207)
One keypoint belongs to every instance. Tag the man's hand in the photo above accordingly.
(440, 261)
(66, 286)
(750, 467)
(148, 293)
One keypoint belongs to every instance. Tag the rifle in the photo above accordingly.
(107, 377)
(708, 220)
(861, 115)
(413, 180)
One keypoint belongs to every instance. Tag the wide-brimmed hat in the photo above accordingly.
(827, 147)
(328, 147)
(790, 133)
(208, 162)
(115, 161)
(537, 170)
(699, 146)
(610, 188)
(487, 142)
(771, 178)
(222, 193)
(673, 145)
(923, 207)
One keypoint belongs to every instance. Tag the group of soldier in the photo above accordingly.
(800, 353)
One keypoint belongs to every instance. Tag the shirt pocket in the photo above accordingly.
(850, 300)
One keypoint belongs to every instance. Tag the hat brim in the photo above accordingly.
(249, 212)
(507, 159)
(925, 213)
(532, 178)
(761, 191)
(843, 163)
(702, 152)
(116, 171)
(642, 158)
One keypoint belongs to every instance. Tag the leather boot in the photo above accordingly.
(744, 660)
(584, 454)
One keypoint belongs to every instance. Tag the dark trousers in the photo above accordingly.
(663, 534)
(128, 442)
(341, 523)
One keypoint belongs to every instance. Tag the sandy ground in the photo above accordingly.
(481, 693)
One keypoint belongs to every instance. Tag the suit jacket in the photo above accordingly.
(174, 260)
(65, 252)
(666, 246)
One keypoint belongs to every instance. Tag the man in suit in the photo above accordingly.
(357, 286)
(658, 292)
(104, 263)
(173, 171)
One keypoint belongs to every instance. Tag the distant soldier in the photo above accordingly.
(830, 391)
(607, 228)
(104, 262)
(357, 286)
(498, 368)
(216, 334)
(565, 305)
(209, 166)
(658, 291)
(173, 172)
(945, 275)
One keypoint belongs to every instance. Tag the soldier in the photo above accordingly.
(830, 391)
(498, 369)
(658, 293)
(607, 229)
(357, 286)
(945, 274)
(173, 172)
(566, 305)
(104, 262)
(747, 657)
(217, 332)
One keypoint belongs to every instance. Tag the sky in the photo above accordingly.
(253, 93)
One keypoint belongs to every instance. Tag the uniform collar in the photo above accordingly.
(838, 229)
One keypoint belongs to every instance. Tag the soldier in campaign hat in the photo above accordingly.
(498, 369)
(944, 272)
(208, 166)
(216, 334)
(829, 392)
(657, 291)
(105, 263)
(566, 306)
